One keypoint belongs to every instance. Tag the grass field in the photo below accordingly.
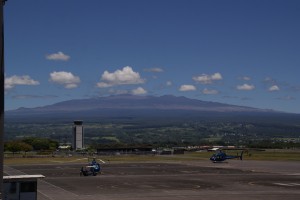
(283, 155)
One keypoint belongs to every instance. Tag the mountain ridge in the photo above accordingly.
(166, 102)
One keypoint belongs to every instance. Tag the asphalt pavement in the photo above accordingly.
(234, 179)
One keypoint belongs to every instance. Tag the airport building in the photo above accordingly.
(78, 135)
(21, 187)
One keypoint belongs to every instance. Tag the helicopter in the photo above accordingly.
(92, 168)
(221, 156)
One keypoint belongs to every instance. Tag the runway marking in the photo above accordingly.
(251, 183)
(56, 161)
(294, 174)
(287, 184)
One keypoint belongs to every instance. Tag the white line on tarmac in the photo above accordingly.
(57, 161)
(288, 184)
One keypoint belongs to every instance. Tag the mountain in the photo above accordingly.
(131, 105)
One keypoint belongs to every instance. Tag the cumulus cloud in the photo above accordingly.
(245, 87)
(58, 56)
(184, 88)
(273, 88)
(208, 79)
(12, 81)
(156, 69)
(207, 91)
(138, 91)
(67, 79)
(126, 76)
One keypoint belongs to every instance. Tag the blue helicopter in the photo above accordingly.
(92, 169)
(221, 156)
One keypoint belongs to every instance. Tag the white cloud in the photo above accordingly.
(207, 91)
(169, 83)
(245, 87)
(156, 69)
(216, 76)
(126, 76)
(58, 56)
(12, 81)
(138, 91)
(273, 88)
(208, 79)
(184, 88)
(67, 79)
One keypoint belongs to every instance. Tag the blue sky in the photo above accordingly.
(235, 51)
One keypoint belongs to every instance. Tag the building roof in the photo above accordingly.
(22, 177)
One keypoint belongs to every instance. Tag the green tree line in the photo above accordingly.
(30, 144)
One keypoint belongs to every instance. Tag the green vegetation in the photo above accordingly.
(273, 154)
(30, 144)
(166, 133)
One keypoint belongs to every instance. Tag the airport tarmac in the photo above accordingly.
(234, 179)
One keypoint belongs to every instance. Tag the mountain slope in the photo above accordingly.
(128, 102)
(129, 107)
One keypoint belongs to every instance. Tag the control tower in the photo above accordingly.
(78, 137)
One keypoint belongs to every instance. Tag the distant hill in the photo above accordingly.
(124, 102)
(133, 106)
